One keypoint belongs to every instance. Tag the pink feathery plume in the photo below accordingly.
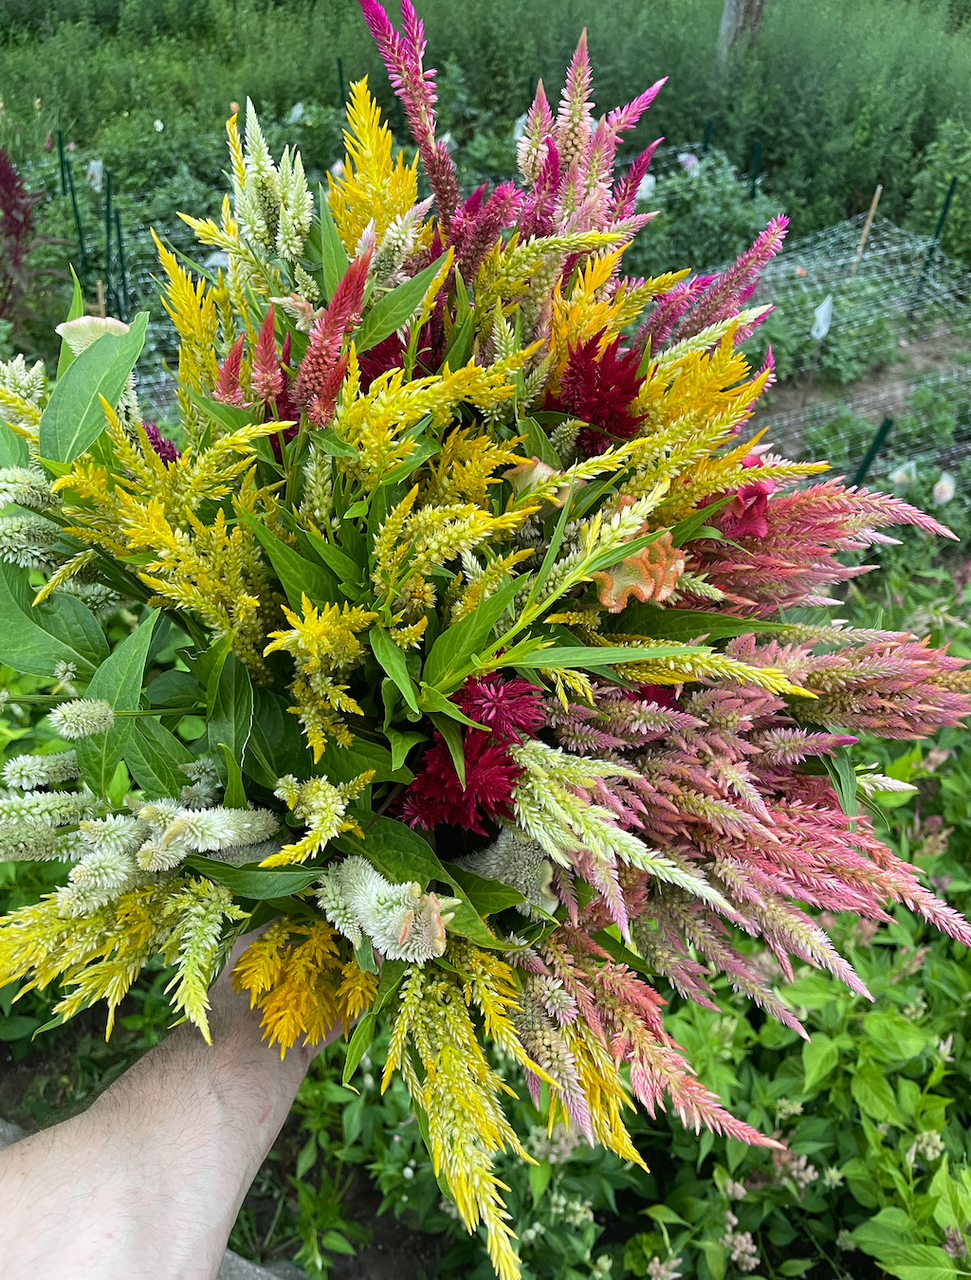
(532, 146)
(477, 227)
(726, 293)
(227, 385)
(623, 118)
(536, 218)
(626, 188)
(266, 376)
(322, 368)
(163, 446)
(668, 310)
(573, 120)
(402, 55)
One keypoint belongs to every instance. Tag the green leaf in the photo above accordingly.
(392, 660)
(895, 1038)
(565, 657)
(364, 955)
(685, 624)
(235, 792)
(360, 1042)
(431, 700)
(66, 356)
(336, 559)
(230, 695)
(14, 451)
(460, 344)
(844, 780)
(230, 416)
(692, 525)
(539, 1179)
(342, 764)
(795, 1266)
(31, 638)
(452, 734)
(74, 418)
(486, 895)
(401, 743)
(153, 756)
(119, 682)
(537, 443)
(664, 1213)
(402, 855)
(333, 256)
(714, 1257)
(819, 1057)
(450, 654)
(298, 577)
(393, 310)
(175, 689)
(330, 442)
(874, 1096)
(16, 1027)
(275, 745)
(254, 882)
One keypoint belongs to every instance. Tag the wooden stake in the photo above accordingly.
(866, 228)
(101, 299)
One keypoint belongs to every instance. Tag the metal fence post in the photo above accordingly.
(932, 247)
(876, 444)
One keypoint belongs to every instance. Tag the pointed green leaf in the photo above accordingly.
(119, 682)
(392, 659)
(257, 883)
(401, 743)
(395, 309)
(74, 417)
(566, 657)
(235, 792)
(457, 644)
(685, 624)
(537, 443)
(298, 577)
(452, 735)
(360, 1042)
(67, 357)
(230, 693)
(333, 256)
(153, 756)
(32, 640)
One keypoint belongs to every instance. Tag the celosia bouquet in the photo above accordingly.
(479, 584)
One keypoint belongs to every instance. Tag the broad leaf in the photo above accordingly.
(392, 660)
(298, 577)
(175, 689)
(537, 443)
(395, 309)
(230, 694)
(402, 741)
(255, 882)
(153, 756)
(566, 657)
(119, 682)
(451, 651)
(74, 417)
(692, 525)
(275, 746)
(34, 640)
(819, 1057)
(235, 792)
(333, 256)
(360, 1042)
(685, 624)
(452, 737)
(486, 895)
(341, 764)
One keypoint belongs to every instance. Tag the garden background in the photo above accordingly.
(112, 119)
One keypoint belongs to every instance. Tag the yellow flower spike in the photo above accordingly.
(372, 187)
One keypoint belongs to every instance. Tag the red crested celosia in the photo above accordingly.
(511, 709)
(508, 708)
(746, 516)
(228, 388)
(266, 376)
(600, 388)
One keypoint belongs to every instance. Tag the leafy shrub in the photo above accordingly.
(948, 157)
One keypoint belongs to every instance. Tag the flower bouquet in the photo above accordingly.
(484, 601)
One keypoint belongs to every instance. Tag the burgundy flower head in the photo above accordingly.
(436, 795)
(507, 707)
(601, 390)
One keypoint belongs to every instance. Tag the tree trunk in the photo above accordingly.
(739, 17)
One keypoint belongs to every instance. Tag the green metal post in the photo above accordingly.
(85, 265)
(109, 299)
(932, 247)
(876, 444)
(123, 312)
(60, 156)
(755, 167)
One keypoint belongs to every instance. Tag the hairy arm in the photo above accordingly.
(146, 1184)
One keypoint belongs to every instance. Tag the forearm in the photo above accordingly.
(148, 1182)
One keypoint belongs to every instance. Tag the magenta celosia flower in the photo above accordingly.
(746, 516)
(509, 708)
(436, 795)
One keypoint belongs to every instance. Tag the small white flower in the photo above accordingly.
(79, 334)
(159, 126)
(944, 490)
(82, 717)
